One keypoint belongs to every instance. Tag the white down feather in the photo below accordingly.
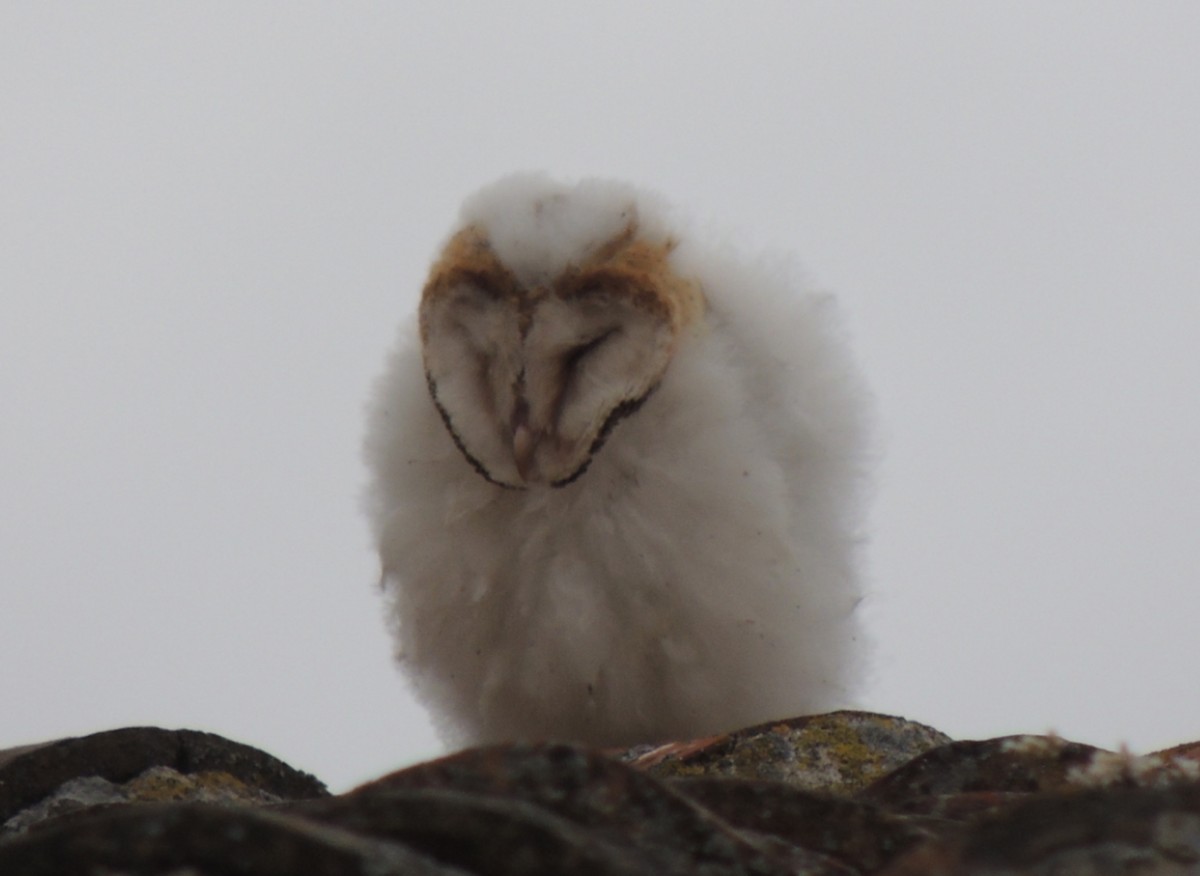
(699, 577)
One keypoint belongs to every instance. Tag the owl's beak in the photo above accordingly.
(524, 442)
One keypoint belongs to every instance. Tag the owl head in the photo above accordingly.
(550, 314)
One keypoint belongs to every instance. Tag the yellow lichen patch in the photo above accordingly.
(838, 753)
(162, 784)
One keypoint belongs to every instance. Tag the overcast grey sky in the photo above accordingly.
(214, 216)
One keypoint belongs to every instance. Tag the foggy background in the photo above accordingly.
(215, 216)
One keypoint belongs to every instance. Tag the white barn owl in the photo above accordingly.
(615, 477)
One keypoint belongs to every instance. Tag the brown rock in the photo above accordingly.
(841, 752)
(613, 802)
(139, 763)
(1021, 764)
(1119, 830)
(478, 833)
(861, 836)
(157, 784)
(1184, 751)
(965, 778)
(205, 840)
(828, 795)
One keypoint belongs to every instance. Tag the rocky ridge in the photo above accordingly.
(843, 793)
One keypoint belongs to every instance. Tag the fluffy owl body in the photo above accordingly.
(615, 479)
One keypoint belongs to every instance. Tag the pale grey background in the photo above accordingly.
(213, 216)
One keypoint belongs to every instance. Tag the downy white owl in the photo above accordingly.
(615, 478)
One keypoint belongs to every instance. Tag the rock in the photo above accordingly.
(826, 795)
(155, 784)
(1122, 830)
(860, 835)
(139, 764)
(479, 833)
(841, 752)
(202, 839)
(613, 803)
(966, 778)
